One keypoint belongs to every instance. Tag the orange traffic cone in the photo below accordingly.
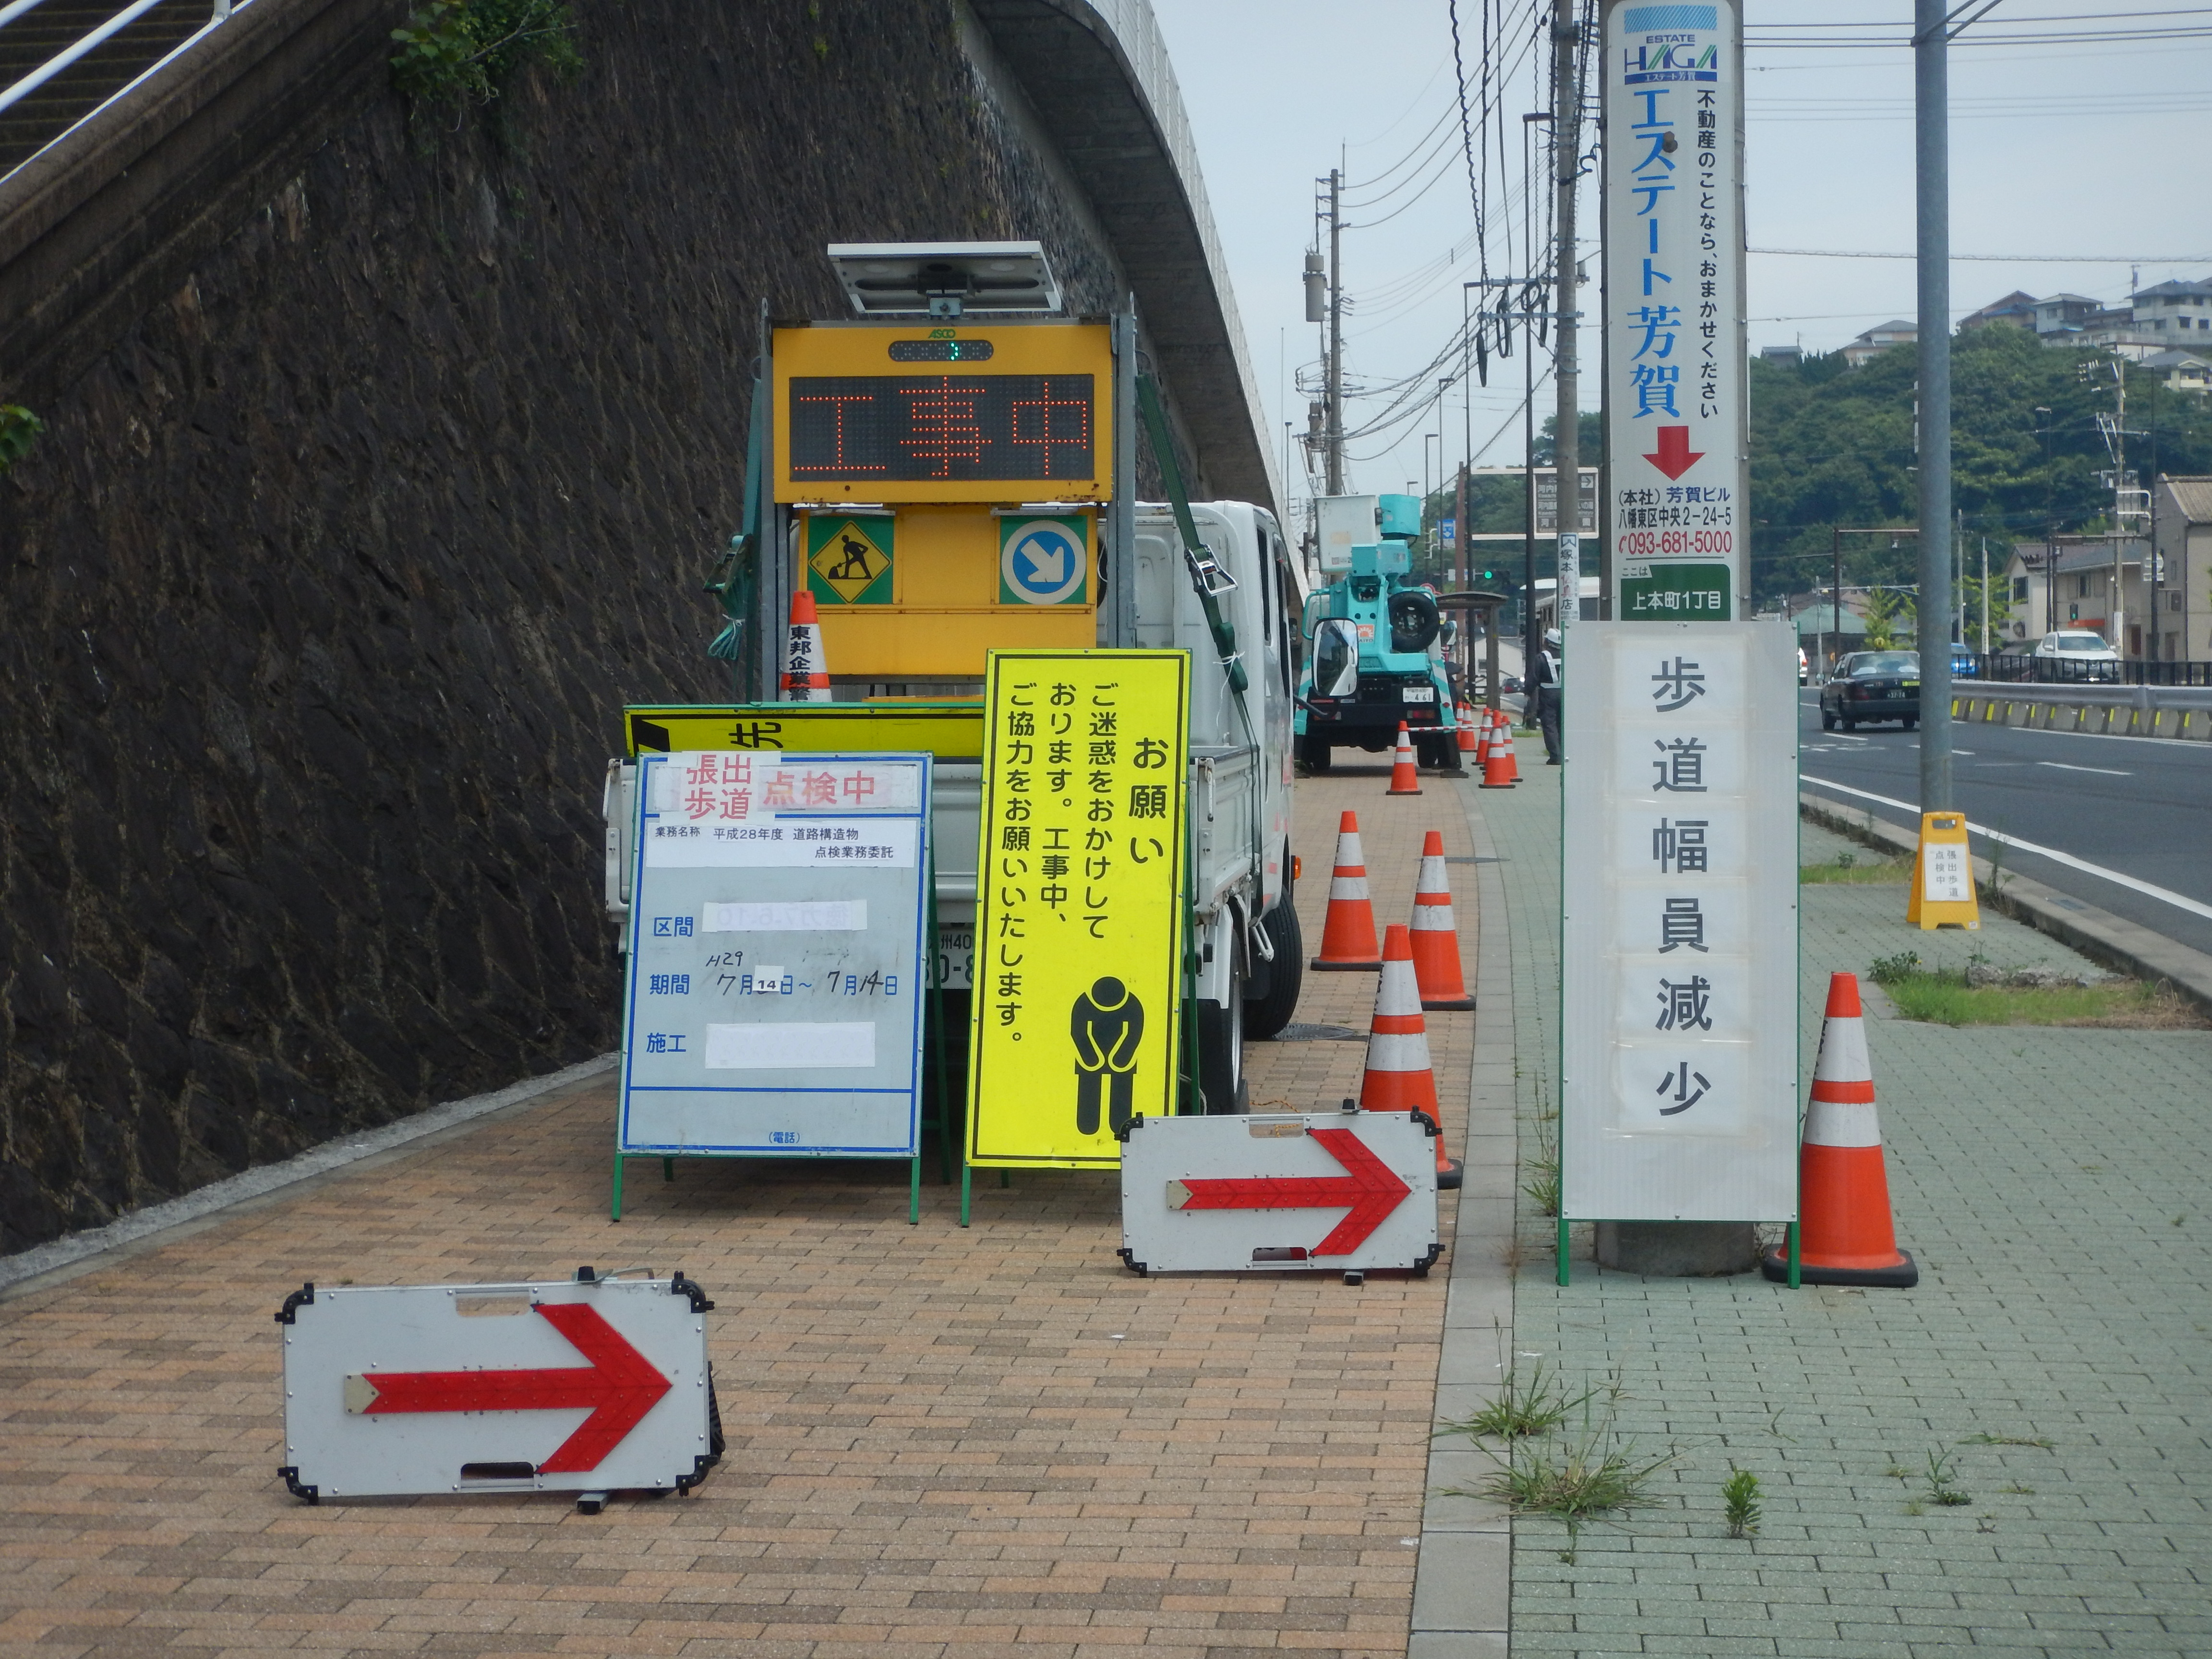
(805, 669)
(1404, 779)
(1469, 743)
(1435, 936)
(1844, 1233)
(1399, 1078)
(1505, 741)
(1498, 771)
(1347, 935)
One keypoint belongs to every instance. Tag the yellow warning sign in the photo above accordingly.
(848, 561)
(1943, 875)
(1077, 1003)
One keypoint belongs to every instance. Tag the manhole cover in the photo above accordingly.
(1320, 1034)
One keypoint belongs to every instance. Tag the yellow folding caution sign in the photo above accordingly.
(1943, 875)
(1078, 977)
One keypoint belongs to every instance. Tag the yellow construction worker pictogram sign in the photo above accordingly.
(1943, 875)
(1078, 977)
(849, 560)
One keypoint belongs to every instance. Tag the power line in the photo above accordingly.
(2003, 258)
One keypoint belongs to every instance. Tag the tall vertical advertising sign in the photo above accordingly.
(1672, 106)
(1678, 973)
(1078, 975)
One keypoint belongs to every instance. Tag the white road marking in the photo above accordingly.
(2102, 771)
(2178, 900)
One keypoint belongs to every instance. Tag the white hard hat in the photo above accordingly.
(1550, 636)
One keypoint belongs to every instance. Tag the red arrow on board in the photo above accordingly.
(1371, 1188)
(620, 1386)
(1675, 457)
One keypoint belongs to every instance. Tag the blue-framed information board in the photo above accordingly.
(773, 1006)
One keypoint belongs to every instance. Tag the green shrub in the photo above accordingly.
(467, 52)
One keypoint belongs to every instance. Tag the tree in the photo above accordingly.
(1832, 445)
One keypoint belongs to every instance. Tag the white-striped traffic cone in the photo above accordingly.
(1435, 936)
(805, 668)
(1404, 779)
(1844, 1232)
(1348, 933)
(1399, 1076)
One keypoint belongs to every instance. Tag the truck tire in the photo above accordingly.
(1313, 752)
(1267, 1014)
(1221, 1057)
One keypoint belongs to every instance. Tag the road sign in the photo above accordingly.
(1679, 1013)
(1079, 926)
(1342, 1191)
(774, 979)
(594, 1385)
(849, 560)
(1672, 107)
(1943, 875)
(1044, 560)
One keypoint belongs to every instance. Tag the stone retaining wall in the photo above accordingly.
(349, 536)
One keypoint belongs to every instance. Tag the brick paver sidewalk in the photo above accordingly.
(940, 1441)
(2057, 1351)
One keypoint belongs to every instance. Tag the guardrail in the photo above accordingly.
(64, 61)
(2009, 667)
(2134, 711)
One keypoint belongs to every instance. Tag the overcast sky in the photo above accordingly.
(2087, 149)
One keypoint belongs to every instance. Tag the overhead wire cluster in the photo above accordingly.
(1509, 207)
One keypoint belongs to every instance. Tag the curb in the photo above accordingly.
(206, 1203)
(2094, 932)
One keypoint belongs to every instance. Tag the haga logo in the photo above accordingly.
(1680, 55)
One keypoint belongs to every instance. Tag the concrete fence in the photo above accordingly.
(2135, 711)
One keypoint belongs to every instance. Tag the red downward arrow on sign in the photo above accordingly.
(620, 1386)
(1675, 457)
(1371, 1188)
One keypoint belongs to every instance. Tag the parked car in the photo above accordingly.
(2075, 654)
(1873, 685)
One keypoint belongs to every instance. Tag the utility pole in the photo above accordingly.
(1334, 393)
(1566, 172)
(1932, 203)
(1532, 309)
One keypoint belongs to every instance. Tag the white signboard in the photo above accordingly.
(774, 1005)
(1672, 104)
(1343, 1192)
(1345, 522)
(594, 1386)
(1678, 974)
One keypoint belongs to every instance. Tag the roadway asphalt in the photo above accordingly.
(2132, 807)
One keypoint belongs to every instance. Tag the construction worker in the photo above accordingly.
(1551, 686)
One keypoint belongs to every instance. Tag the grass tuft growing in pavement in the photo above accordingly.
(1937, 998)
(1740, 1493)
(1849, 870)
(1595, 1471)
(1536, 1406)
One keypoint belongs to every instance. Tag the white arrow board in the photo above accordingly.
(593, 1386)
(1343, 1192)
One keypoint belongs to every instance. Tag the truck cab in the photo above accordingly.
(1377, 656)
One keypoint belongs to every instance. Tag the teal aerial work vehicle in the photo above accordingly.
(1377, 657)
